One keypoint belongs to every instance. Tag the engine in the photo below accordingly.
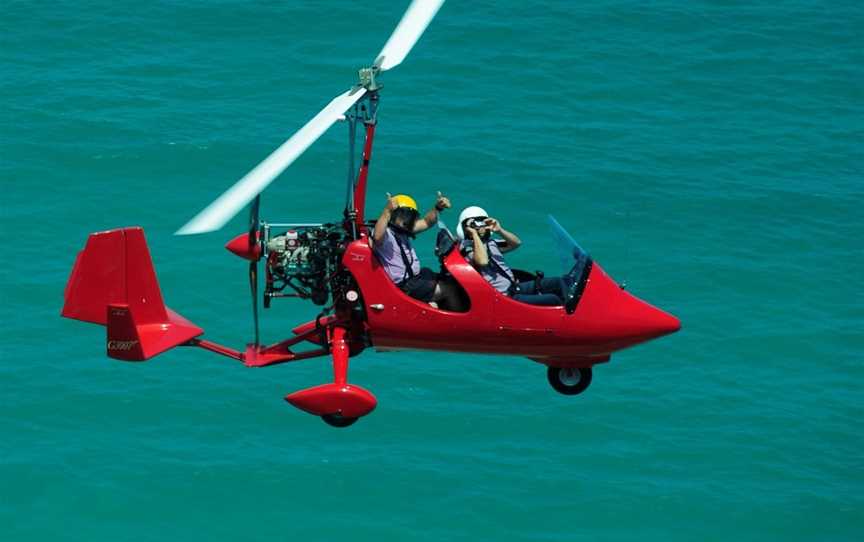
(301, 261)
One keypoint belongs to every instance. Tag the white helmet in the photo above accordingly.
(469, 212)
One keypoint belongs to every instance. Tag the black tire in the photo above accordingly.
(337, 420)
(569, 381)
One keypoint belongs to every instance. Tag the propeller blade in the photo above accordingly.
(223, 209)
(417, 17)
(253, 283)
(253, 265)
(253, 221)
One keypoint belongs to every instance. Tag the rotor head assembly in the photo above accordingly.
(367, 78)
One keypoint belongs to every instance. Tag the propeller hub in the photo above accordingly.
(241, 247)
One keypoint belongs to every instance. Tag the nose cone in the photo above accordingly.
(619, 316)
(241, 247)
(644, 320)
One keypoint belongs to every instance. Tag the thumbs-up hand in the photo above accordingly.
(392, 204)
(442, 202)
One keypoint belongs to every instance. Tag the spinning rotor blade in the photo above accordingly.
(235, 198)
(417, 17)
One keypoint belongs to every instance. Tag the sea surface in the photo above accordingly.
(707, 153)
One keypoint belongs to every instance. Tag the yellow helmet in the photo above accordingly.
(406, 201)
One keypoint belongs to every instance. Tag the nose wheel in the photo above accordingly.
(569, 381)
(337, 420)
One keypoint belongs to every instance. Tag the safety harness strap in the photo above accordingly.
(514, 286)
(409, 272)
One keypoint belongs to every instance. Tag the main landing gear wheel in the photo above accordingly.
(569, 381)
(337, 420)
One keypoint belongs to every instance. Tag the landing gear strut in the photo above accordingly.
(569, 381)
(339, 404)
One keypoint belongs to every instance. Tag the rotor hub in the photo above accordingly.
(367, 78)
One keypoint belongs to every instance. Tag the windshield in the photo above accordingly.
(575, 262)
(572, 257)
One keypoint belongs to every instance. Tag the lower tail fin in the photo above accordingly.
(113, 284)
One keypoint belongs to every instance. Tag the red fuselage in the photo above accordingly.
(606, 319)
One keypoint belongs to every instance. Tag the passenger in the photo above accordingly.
(396, 227)
(475, 229)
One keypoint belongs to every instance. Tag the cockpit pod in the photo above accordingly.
(598, 317)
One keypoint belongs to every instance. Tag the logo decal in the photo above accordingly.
(122, 345)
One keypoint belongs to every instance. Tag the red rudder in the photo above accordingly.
(113, 284)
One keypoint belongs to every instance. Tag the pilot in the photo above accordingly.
(475, 229)
(396, 227)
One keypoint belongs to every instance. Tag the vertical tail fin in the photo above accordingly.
(113, 284)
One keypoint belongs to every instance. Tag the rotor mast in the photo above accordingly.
(364, 111)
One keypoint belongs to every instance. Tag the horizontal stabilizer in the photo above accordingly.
(131, 342)
(113, 284)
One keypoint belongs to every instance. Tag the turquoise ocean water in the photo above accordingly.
(708, 153)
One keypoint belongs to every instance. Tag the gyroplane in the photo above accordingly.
(333, 265)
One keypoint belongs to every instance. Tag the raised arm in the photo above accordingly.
(431, 217)
(513, 242)
(384, 219)
(479, 256)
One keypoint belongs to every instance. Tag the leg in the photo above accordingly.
(423, 286)
(552, 285)
(448, 296)
(541, 291)
(529, 287)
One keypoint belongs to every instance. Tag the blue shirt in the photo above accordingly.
(496, 272)
(389, 252)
